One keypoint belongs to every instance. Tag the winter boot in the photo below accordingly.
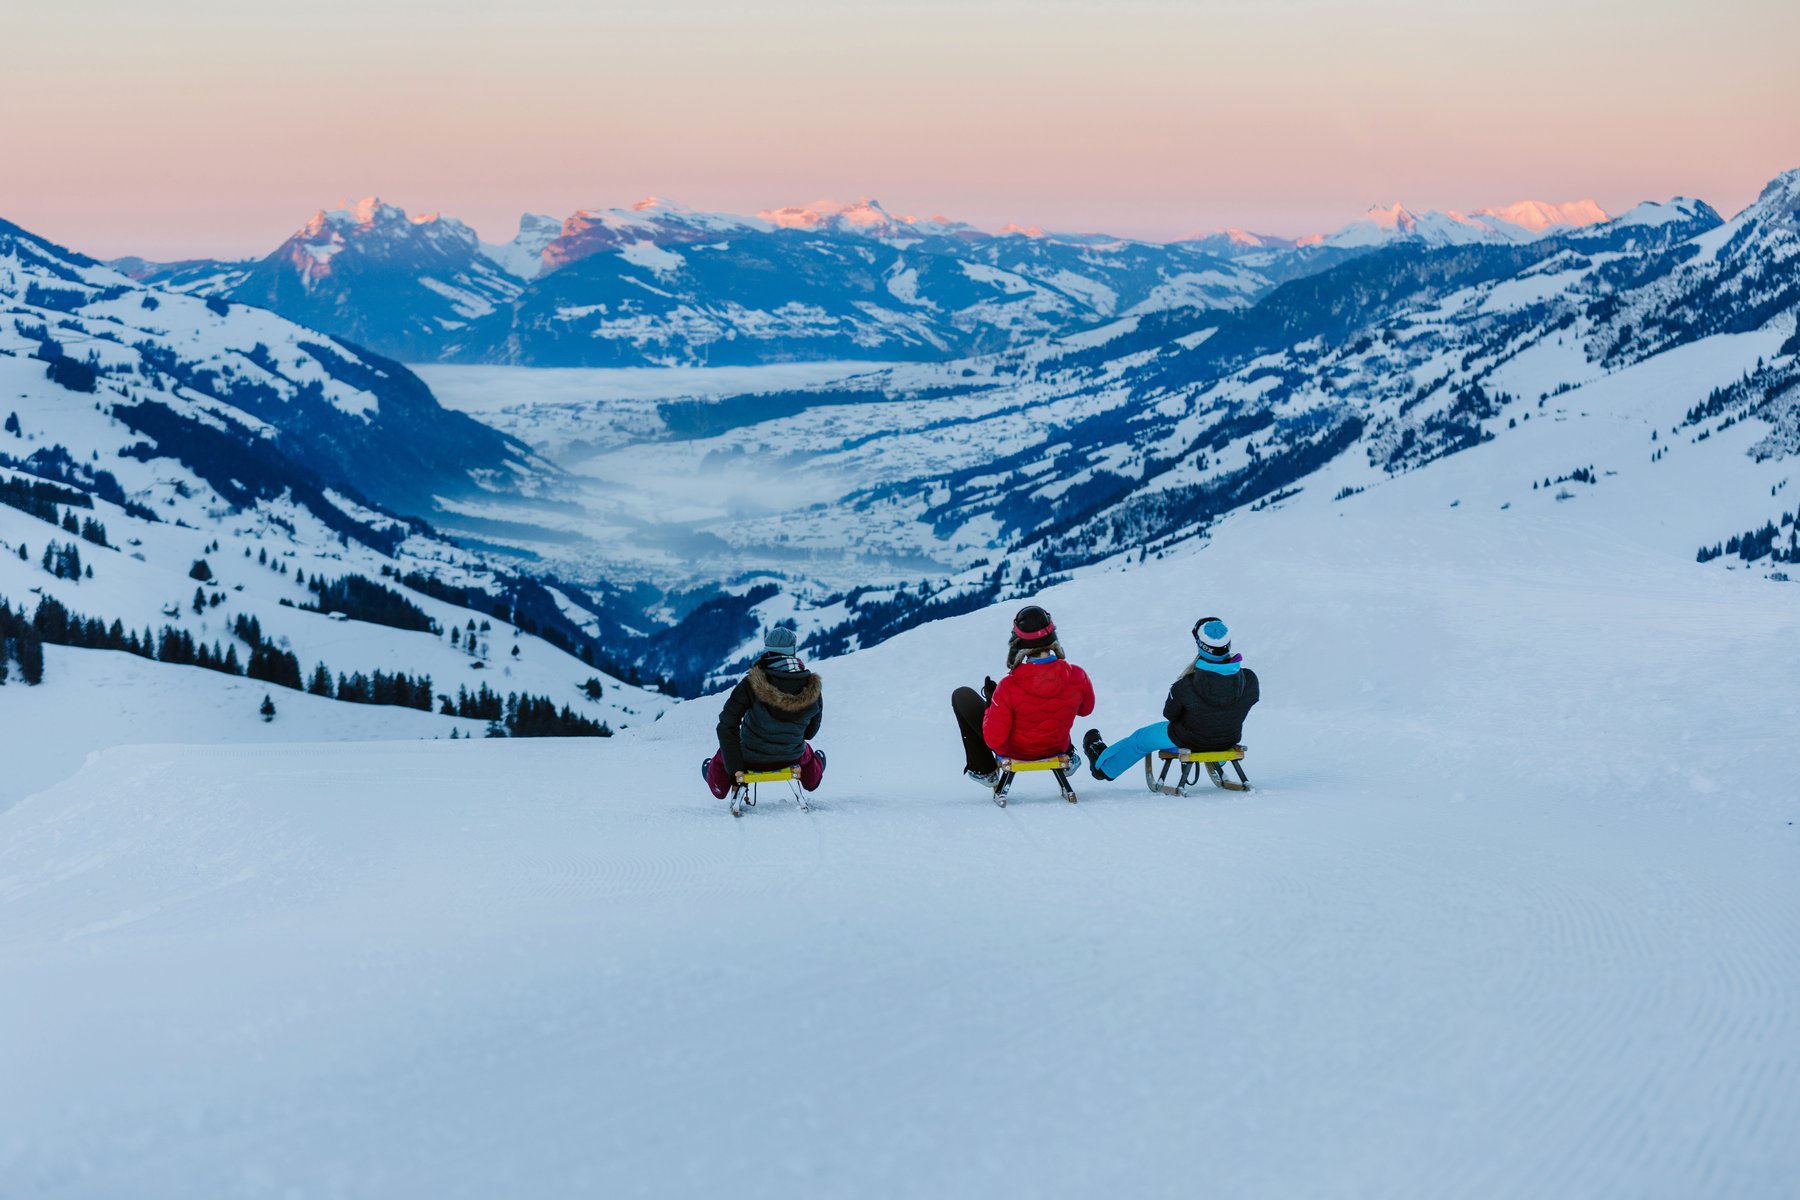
(990, 780)
(1091, 743)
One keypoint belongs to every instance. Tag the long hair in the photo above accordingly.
(1201, 651)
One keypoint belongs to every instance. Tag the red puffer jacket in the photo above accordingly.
(1034, 708)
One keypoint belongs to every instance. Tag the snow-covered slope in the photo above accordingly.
(1513, 911)
(463, 626)
(247, 400)
(197, 276)
(180, 478)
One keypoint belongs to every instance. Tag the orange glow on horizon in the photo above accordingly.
(225, 125)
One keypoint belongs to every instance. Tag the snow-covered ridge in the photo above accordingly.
(176, 361)
(1521, 221)
(1538, 216)
(868, 217)
(523, 256)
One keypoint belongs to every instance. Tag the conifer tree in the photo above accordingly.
(30, 653)
(268, 708)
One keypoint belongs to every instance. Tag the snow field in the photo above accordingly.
(92, 699)
(1513, 911)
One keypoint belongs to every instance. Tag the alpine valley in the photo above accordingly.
(638, 436)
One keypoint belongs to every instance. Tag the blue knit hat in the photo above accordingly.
(1213, 637)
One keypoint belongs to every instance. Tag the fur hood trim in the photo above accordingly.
(1028, 651)
(764, 689)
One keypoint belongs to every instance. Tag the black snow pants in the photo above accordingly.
(969, 707)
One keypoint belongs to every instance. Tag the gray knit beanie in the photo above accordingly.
(781, 640)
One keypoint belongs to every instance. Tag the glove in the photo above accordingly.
(987, 689)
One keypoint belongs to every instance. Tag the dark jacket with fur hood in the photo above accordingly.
(769, 716)
(1206, 710)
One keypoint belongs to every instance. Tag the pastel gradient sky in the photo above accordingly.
(175, 128)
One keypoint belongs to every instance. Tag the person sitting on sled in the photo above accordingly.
(1205, 709)
(770, 718)
(1029, 713)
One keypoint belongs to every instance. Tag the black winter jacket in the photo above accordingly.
(1206, 711)
(769, 717)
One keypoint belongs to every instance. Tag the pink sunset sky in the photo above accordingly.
(215, 127)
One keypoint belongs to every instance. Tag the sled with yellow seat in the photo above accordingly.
(1193, 762)
(743, 789)
(1009, 767)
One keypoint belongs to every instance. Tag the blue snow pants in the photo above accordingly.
(1120, 756)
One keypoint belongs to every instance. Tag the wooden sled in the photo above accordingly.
(743, 792)
(1010, 767)
(1192, 763)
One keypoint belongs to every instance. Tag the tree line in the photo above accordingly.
(22, 639)
(1760, 543)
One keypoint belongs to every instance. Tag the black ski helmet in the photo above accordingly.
(1033, 624)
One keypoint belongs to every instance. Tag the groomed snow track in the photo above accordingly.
(1514, 911)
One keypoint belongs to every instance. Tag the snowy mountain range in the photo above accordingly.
(660, 284)
(924, 489)
(885, 496)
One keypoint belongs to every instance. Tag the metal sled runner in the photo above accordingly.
(743, 792)
(1192, 761)
(1010, 767)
